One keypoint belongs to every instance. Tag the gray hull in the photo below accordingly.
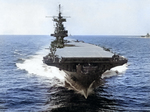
(83, 64)
(82, 83)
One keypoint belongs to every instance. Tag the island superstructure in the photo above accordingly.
(83, 63)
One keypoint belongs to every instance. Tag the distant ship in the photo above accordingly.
(146, 36)
(83, 63)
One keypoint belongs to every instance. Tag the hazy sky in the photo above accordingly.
(88, 17)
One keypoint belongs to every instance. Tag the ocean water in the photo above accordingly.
(26, 84)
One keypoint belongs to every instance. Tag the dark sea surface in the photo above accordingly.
(26, 84)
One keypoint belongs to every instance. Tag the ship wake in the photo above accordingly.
(115, 71)
(35, 66)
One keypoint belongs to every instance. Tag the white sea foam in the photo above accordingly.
(115, 71)
(35, 65)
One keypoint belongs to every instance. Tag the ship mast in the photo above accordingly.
(60, 31)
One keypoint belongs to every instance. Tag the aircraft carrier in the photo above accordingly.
(83, 63)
